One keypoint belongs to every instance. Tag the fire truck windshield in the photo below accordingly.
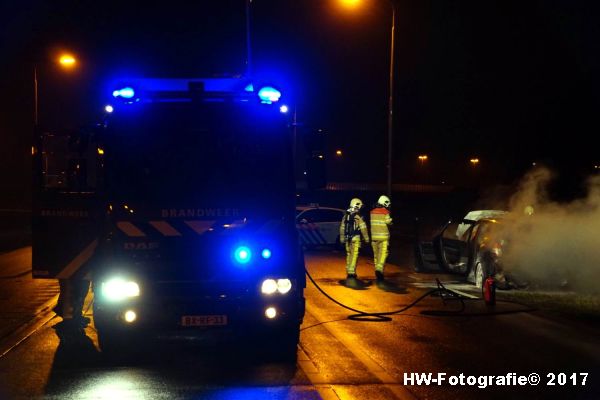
(226, 152)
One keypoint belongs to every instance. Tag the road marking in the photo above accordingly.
(22, 333)
(372, 366)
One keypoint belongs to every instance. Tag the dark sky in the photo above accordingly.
(508, 81)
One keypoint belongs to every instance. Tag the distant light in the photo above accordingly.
(126, 93)
(269, 95)
(67, 60)
(249, 88)
(109, 109)
(101, 152)
(304, 172)
(321, 156)
(423, 157)
(533, 164)
(32, 150)
(266, 254)
(474, 161)
(338, 152)
(242, 255)
(284, 109)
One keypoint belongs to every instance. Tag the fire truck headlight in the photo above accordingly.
(119, 289)
(269, 286)
(284, 285)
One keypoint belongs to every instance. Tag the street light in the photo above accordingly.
(393, 4)
(423, 158)
(474, 161)
(67, 62)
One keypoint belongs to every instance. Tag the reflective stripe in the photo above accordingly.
(78, 261)
(129, 229)
(200, 226)
(165, 228)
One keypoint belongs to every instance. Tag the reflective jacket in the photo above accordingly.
(357, 227)
(380, 219)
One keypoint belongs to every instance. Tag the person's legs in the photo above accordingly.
(376, 249)
(383, 254)
(355, 247)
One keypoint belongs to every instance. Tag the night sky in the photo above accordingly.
(511, 82)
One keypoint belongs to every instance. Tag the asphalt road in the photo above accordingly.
(337, 357)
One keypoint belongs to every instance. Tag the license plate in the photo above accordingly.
(204, 320)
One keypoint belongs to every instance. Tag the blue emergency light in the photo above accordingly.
(266, 254)
(269, 95)
(242, 255)
(126, 92)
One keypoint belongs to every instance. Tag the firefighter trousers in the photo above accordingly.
(352, 248)
(380, 253)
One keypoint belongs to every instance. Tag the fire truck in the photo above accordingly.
(179, 206)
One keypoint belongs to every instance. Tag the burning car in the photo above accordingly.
(472, 247)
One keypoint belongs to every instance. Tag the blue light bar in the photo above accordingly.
(126, 93)
(269, 95)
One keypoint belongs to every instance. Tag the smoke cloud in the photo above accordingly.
(554, 244)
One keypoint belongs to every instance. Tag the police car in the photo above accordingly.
(319, 226)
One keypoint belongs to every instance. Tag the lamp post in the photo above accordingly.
(67, 62)
(390, 122)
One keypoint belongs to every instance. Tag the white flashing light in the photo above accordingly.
(109, 109)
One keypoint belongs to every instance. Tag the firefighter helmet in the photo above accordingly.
(384, 201)
(355, 204)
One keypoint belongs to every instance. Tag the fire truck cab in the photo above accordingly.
(180, 208)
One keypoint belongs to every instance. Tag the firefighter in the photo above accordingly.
(70, 302)
(351, 228)
(380, 233)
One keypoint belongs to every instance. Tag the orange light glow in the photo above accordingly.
(338, 152)
(350, 3)
(67, 61)
(423, 157)
(474, 161)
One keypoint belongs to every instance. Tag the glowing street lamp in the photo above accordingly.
(338, 153)
(423, 158)
(474, 161)
(67, 61)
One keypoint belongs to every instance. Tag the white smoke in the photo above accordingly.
(559, 243)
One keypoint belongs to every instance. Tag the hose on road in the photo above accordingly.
(444, 293)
